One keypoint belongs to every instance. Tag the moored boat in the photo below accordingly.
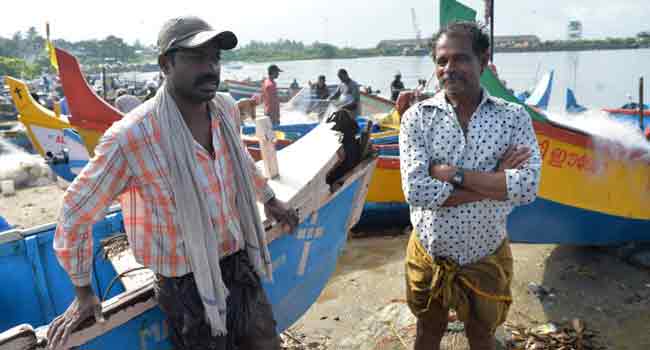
(581, 198)
(239, 89)
(303, 260)
(50, 134)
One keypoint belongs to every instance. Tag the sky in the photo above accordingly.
(354, 23)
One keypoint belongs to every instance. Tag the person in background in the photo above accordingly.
(270, 95)
(347, 94)
(294, 88)
(467, 159)
(396, 86)
(188, 189)
(125, 102)
(321, 91)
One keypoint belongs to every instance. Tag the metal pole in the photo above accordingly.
(641, 103)
(104, 81)
(492, 31)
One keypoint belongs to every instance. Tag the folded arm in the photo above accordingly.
(420, 189)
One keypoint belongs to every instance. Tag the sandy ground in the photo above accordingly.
(592, 284)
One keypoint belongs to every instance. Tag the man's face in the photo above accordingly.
(398, 77)
(321, 82)
(458, 69)
(343, 76)
(194, 73)
(274, 74)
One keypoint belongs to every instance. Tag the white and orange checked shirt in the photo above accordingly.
(130, 163)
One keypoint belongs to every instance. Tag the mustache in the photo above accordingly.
(453, 76)
(207, 78)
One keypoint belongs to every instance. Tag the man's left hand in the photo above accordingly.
(442, 172)
(280, 212)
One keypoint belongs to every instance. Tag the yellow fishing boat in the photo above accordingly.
(49, 132)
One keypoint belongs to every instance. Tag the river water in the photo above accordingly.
(599, 79)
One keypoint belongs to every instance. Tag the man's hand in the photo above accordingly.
(85, 305)
(442, 172)
(281, 213)
(514, 158)
(404, 100)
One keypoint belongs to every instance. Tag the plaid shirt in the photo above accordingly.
(130, 163)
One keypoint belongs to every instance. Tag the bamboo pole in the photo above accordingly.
(492, 31)
(641, 103)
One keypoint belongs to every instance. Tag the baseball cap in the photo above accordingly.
(274, 68)
(190, 32)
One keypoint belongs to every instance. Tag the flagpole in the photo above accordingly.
(492, 31)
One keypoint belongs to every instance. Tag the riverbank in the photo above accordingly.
(363, 307)
(585, 47)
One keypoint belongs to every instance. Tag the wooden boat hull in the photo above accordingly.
(303, 261)
(586, 197)
(244, 89)
(631, 117)
(90, 115)
(51, 135)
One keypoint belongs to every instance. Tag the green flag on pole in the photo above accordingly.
(451, 10)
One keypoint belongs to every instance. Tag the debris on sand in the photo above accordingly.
(293, 340)
(551, 336)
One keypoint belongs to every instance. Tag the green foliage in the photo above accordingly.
(17, 67)
(284, 50)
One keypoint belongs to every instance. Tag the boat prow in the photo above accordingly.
(89, 114)
(51, 135)
(541, 95)
(303, 260)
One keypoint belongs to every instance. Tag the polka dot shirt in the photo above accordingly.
(430, 132)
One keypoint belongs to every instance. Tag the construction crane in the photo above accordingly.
(416, 28)
(419, 49)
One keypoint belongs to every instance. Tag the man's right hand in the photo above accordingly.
(85, 305)
(514, 158)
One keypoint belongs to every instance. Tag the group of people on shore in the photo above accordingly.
(346, 96)
(466, 160)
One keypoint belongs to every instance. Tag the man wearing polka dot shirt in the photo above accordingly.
(467, 159)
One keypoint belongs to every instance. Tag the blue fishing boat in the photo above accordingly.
(541, 95)
(572, 106)
(303, 261)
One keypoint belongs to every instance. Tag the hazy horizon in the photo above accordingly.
(361, 23)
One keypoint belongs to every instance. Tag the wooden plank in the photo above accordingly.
(21, 337)
(132, 274)
(360, 196)
(304, 188)
(117, 311)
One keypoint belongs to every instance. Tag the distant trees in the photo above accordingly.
(17, 67)
(25, 52)
(293, 50)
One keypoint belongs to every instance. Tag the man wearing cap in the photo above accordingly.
(270, 95)
(187, 188)
(396, 86)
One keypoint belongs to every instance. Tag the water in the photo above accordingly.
(602, 78)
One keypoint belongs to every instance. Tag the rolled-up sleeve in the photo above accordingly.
(420, 189)
(523, 183)
(85, 201)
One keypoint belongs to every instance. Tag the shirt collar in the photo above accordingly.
(439, 101)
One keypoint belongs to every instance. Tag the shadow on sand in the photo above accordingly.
(597, 286)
